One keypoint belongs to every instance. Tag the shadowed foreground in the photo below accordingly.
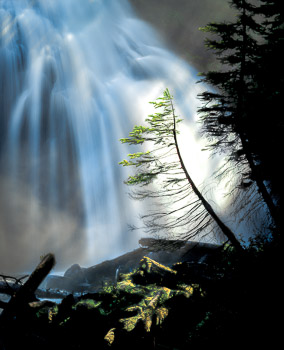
(222, 301)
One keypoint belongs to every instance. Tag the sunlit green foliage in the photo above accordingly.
(154, 295)
(187, 305)
(161, 130)
(138, 298)
(88, 304)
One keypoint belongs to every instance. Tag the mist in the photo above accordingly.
(178, 22)
(71, 87)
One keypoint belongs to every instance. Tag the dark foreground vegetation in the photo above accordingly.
(227, 300)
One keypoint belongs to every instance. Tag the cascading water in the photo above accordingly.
(75, 76)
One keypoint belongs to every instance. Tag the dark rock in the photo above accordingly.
(62, 283)
(56, 282)
(75, 272)
(161, 244)
(92, 279)
(108, 270)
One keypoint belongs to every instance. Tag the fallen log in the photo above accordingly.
(26, 293)
(39, 293)
(9, 289)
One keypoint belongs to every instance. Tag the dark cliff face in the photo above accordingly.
(178, 23)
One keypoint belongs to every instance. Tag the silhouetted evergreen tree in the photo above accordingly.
(234, 118)
(265, 127)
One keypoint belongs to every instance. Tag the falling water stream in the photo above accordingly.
(75, 77)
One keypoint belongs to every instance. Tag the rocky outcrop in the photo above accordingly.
(79, 279)
(76, 272)
(74, 280)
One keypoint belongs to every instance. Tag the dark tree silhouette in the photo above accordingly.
(233, 116)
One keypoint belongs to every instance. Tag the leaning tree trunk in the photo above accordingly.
(224, 228)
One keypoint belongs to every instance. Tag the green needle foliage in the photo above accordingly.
(180, 210)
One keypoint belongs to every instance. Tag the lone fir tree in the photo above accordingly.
(161, 174)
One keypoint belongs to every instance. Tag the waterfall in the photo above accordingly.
(75, 77)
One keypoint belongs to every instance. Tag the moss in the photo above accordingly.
(52, 313)
(87, 304)
(126, 284)
(110, 336)
(161, 314)
(147, 265)
(129, 323)
(187, 290)
(43, 312)
(155, 296)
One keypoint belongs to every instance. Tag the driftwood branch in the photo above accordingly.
(39, 293)
(25, 293)
(9, 289)
(16, 280)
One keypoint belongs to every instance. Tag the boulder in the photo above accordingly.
(76, 273)
(63, 283)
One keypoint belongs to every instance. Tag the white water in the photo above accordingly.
(76, 76)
